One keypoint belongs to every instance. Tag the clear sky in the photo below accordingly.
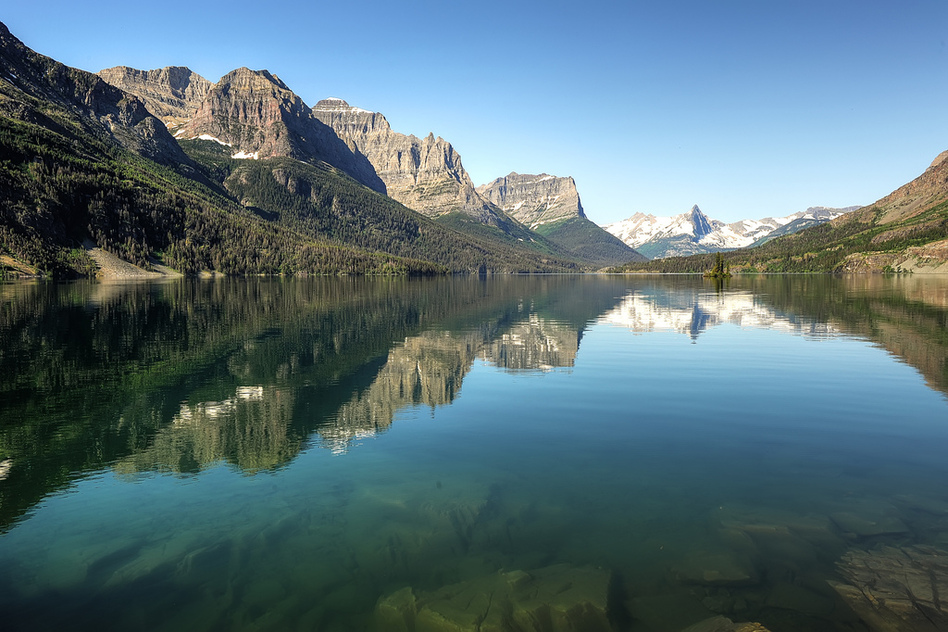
(747, 108)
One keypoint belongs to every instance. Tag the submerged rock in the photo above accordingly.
(558, 598)
(723, 624)
(866, 525)
(718, 569)
(895, 589)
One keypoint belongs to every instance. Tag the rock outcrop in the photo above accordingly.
(424, 174)
(173, 94)
(534, 200)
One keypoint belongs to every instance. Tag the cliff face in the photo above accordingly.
(534, 200)
(173, 94)
(424, 174)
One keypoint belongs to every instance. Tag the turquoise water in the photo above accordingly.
(267, 454)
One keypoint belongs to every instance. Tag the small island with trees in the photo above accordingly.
(721, 270)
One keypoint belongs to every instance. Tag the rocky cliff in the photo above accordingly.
(173, 94)
(534, 200)
(424, 174)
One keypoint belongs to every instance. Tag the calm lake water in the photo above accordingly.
(630, 453)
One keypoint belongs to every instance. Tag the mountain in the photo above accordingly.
(763, 230)
(250, 111)
(550, 205)
(89, 175)
(695, 233)
(681, 235)
(79, 103)
(905, 231)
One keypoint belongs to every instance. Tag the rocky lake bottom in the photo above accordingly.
(531, 453)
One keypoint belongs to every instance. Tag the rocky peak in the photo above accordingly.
(940, 158)
(253, 112)
(244, 78)
(173, 94)
(534, 199)
(350, 122)
(700, 221)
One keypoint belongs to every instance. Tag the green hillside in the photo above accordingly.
(325, 203)
(588, 242)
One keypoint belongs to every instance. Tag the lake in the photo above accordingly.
(633, 453)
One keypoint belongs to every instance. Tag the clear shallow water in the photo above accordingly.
(289, 454)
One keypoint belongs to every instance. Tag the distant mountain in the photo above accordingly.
(695, 233)
(905, 231)
(550, 205)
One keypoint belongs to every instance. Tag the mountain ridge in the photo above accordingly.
(257, 116)
(694, 232)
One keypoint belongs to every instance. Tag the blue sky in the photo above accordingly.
(746, 108)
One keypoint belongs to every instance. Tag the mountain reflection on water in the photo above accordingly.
(180, 376)
(299, 453)
(176, 377)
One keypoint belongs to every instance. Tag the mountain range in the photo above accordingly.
(149, 172)
(256, 116)
(162, 171)
(695, 233)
